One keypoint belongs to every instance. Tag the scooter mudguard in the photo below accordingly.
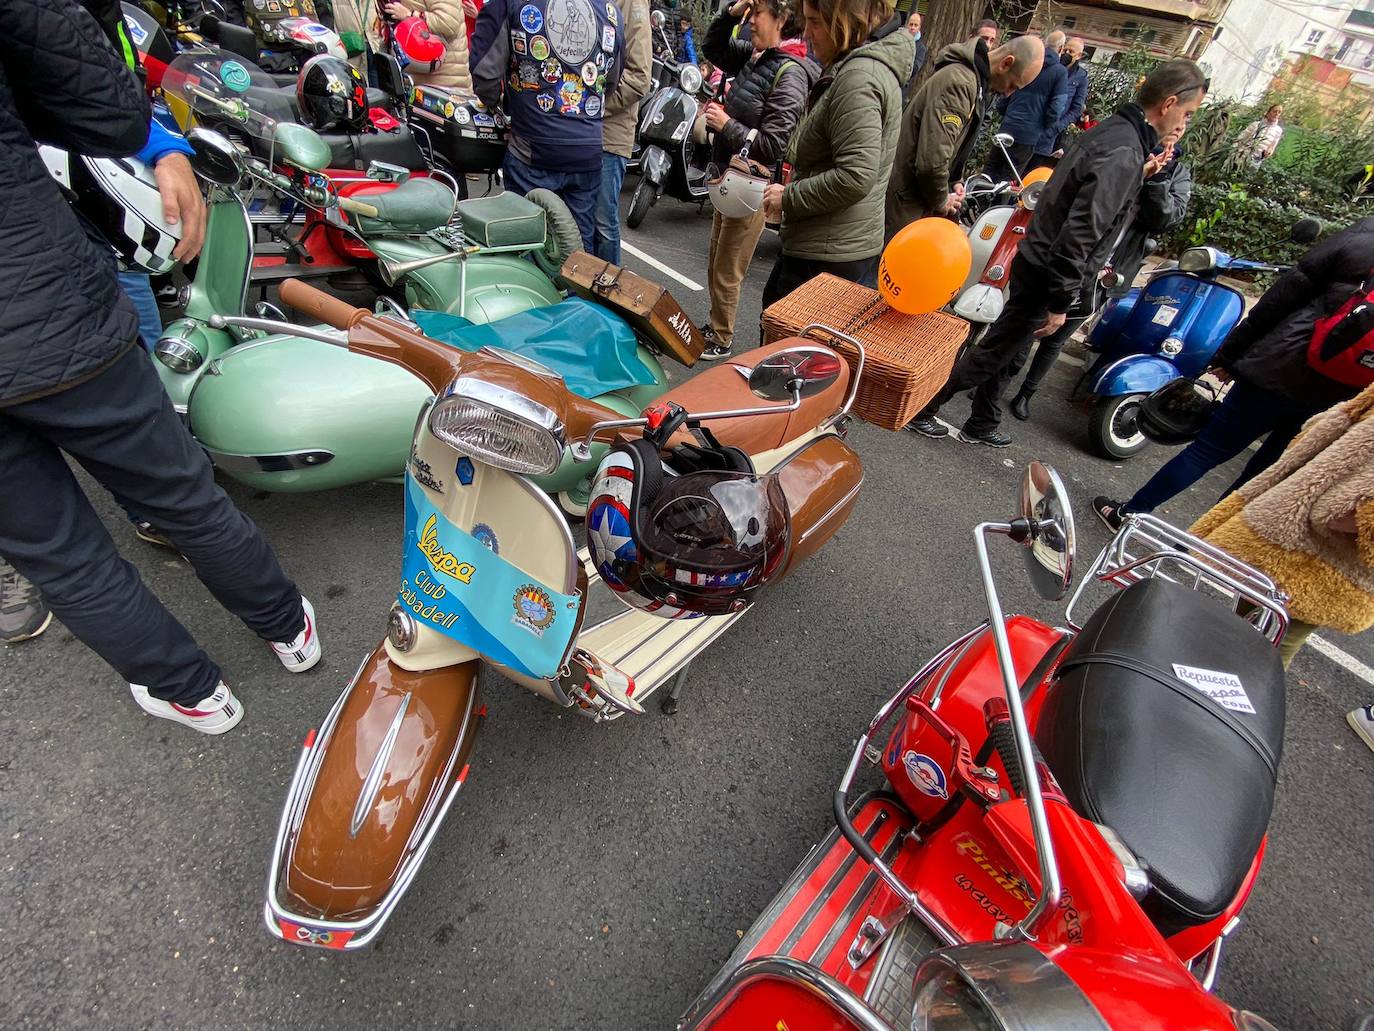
(1134, 374)
(290, 414)
(1113, 320)
(370, 791)
(654, 165)
(980, 303)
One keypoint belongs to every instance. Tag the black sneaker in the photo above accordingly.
(146, 531)
(928, 426)
(22, 612)
(1109, 512)
(715, 352)
(991, 438)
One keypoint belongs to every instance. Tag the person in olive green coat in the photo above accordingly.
(941, 122)
(843, 148)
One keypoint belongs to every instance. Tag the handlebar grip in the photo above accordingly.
(308, 300)
(358, 207)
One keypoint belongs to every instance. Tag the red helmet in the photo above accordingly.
(424, 48)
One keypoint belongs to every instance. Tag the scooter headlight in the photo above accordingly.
(689, 78)
(1197, 259)
(178, 355)
(498, 427)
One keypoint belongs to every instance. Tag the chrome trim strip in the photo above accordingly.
(940, 684)
(372, 783)
(832, 510)
(708, 1008)
(561, 521)
(289, 461)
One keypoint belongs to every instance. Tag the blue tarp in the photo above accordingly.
(593, 350)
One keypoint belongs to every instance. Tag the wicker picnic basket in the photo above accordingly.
(907, 357)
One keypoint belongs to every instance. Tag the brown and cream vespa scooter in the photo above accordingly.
(491, 574)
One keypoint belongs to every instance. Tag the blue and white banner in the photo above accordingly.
(451, 583)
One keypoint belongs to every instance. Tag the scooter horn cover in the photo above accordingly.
(699, 541)
(425, 49)
(1177, 412)
(738, 191)
(332, 95)
(924, 266)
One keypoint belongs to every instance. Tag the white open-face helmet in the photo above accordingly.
(119, 196)
(738, 191)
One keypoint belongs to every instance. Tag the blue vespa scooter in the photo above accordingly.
(1170, 327)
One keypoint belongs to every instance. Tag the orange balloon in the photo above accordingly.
(924, 266)
(1037, 175)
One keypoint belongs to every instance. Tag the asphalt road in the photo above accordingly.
(589, 876)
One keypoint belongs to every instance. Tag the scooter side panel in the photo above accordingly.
(482, 287)
(982, 240)
(1113, 320)
(1171, 304)
(285, 396)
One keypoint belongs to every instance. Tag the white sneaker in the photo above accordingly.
(302, 651)
(216, 714)
(1362, 722)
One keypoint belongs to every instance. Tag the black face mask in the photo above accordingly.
(1066, 59)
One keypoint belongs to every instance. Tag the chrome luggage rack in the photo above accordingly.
(1147, 547)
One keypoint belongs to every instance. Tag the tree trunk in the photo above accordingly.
(946, 22)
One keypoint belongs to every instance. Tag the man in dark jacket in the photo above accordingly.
(1274, 389)
(1078, 219)
(1078, 95)
(1029, 114)
(550, 64)
(913, 26)
(940, 125)
(72, 380)
(1162, 205)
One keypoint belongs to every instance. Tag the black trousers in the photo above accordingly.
(990, 366)
(1046, 354)
(789, 273)
(120, 426)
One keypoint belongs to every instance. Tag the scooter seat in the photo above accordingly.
(726, 386)
(358, 150)
(1166, 725)
(415, 206)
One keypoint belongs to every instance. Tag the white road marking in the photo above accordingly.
(1342, 658)
(690, 284)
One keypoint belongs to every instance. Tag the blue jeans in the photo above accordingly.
(606, 243)
(1247, 413)
(139, 289)
(578, 190)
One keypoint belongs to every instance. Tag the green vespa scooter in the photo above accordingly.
(284, 408)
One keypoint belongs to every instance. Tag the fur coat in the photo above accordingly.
(1280, 520)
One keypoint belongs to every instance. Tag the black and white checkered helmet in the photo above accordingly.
(119, 196)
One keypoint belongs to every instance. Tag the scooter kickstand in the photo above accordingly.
(669, 704)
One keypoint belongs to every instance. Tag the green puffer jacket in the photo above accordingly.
(843, 149)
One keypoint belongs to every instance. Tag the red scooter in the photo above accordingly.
(1074, 817)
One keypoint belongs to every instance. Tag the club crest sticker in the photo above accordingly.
(545, 102)
(926, 774)
(551, 71)
(534, 609)
(539, 48)
(530, 18)
(593, 106)
(571, 26)
(589, 73)
(486, 536)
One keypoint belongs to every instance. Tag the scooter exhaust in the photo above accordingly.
(370, 791)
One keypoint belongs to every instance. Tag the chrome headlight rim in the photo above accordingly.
(178, 354)
(689, 78)
(1198, 259)
(495, 401)
(1030, 195)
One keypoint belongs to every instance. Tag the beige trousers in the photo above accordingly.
(732, 249)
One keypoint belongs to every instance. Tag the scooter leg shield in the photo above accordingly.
(369, 793)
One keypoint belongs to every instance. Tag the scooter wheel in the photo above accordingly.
(574, 502)
(640, 203)
(1113, 426)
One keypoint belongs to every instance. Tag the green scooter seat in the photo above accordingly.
(593, 350)
(505, 220)
(415, 206)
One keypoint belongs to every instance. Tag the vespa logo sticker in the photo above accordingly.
(926, 774)
(442, 561)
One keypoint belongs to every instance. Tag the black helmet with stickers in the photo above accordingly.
(332, 95)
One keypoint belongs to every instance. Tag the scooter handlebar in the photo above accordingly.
(308, 300)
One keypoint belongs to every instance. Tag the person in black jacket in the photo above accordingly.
(1274, 390)
(1163, 203)
(72, 380)
(771, 81)
(1078, 219)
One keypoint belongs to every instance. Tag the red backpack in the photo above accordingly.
(1342, 347)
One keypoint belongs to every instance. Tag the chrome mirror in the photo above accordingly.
(797, 372)
(214, 158)
(657, 19)
(1003, 139)
(1049, 540)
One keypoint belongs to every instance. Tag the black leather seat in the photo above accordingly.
(358, 151)
(1186, 783)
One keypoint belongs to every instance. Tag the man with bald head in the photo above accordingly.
(940, 124)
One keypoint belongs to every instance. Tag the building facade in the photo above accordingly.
(1166, 28)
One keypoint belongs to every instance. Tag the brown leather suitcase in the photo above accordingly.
(649, 308)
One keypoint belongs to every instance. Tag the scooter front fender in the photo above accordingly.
(1134, 374)
(980, 304)
(369, 793)
(654, 165)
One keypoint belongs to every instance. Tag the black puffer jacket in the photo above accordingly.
(1269, 347)
(1087, 200)
(65, 317)
(769, 93)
